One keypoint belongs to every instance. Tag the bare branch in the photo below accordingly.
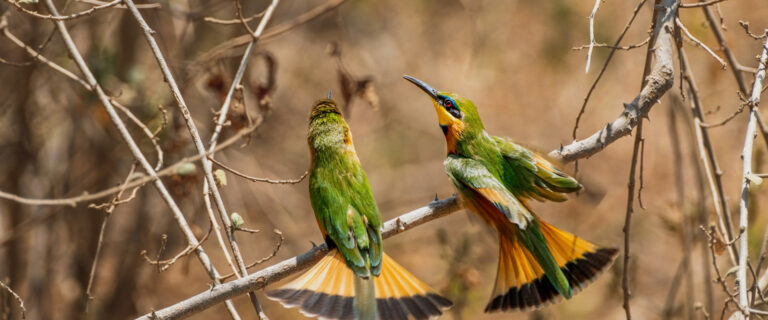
(257, 179)
(591, 34)
(221, 49)
(233, 21)
(18, 299)
(265, 259)
(67, 17)
(660, 80)
(604, 45)
(605, 67)
(700, 44)
(281, 270)
(700, 4)
(746, 157)
(745, 26)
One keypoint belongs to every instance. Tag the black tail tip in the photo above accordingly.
(540, 292)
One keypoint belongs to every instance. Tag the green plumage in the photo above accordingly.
(492, 169)
(339, 191)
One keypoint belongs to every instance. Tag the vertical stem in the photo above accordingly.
(746, 157)
(628, 218)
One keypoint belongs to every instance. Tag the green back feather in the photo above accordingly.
(340, 193)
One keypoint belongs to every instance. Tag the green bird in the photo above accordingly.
(356, 280)
(495, 178)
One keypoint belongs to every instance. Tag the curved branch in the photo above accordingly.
(262, 278)
(659, 82)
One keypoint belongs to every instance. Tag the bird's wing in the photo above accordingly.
(528, 174)
(473, 175)
(345, 209)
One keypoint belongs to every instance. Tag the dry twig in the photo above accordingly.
(699, 43)
(592, 35)
(18, 299)
(257, 179)
(67, 17)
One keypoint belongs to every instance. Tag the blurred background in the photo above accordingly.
(512, 58)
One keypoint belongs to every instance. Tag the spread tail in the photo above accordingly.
(326, 291)
(400, 295)
(521, 282)
(330, 290)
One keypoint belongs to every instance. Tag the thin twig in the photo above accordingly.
(151, 135)
(107, 212)
(281, 270)
(215, 53)
(628, 219)
(257, 179)
(745, 26)
(122, 6)
(18, 299)
(726, 120)
(163, 265)
(233, 21)
(67, 17)
(707, 154)
(605, 45)
(592, 35)
(700, 4)
(700, 44)
(640, 175)
(39, 57)
(265, 259)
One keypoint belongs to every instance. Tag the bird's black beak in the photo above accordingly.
(423, 86)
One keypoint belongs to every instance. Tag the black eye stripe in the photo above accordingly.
(450, 106)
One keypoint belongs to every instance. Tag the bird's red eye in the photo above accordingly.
(448, 104)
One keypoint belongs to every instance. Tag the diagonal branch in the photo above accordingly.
(281, 270)
(659, 82)
(134, 148)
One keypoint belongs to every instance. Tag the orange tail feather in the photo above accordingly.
(520, 281)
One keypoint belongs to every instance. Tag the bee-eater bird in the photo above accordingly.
(495, 178)
(356, 280)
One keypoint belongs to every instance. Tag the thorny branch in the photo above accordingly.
(605, 67)
(659, 82)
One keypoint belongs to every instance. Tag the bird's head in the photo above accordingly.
(456, 114)
(327, 128)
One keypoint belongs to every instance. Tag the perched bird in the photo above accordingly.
(356, 280)
(495, 178)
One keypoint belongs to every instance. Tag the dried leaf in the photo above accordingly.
(718, 245)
